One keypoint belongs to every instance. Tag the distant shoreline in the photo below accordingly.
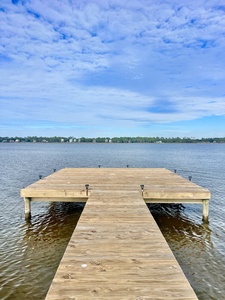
(114, 140)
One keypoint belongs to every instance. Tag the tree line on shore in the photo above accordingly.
(58, 139)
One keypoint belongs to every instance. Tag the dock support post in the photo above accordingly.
(27, 208)
(205, 211)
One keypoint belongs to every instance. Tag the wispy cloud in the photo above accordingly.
(111, 63)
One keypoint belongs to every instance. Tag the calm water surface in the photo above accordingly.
(30, 251)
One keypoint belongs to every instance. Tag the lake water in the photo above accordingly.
(31, 251)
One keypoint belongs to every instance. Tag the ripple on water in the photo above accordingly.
(195, 250)
(30, 252)
(40, 245)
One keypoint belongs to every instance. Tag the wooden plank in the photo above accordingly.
(59, 199)
(158, 184)
(48, 192)
(118, 252)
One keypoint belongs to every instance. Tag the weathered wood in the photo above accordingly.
(27, 208)
(59, 199)
(118, 252)
(205, 211)
(160, 186)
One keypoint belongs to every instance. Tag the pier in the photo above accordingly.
(117, 250)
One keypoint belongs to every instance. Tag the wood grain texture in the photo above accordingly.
(159, 184)
(118, 252)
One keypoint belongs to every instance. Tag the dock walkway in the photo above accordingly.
(117, 250)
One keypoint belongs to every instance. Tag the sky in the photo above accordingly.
(112, 68)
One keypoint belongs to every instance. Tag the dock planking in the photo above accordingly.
(160, 186)
(117, 250)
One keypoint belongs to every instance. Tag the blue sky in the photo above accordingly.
(112, 68)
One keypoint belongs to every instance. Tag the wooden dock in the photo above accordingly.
(159, 186)
(117, 250)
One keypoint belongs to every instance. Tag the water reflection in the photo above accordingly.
(56, 213)
(25, 274)
(193, 247)
(39, 250)
(174, 224)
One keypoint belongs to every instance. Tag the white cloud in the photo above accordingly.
(98, 62)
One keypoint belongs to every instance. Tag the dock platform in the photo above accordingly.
(159, 185)
(117, 250)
